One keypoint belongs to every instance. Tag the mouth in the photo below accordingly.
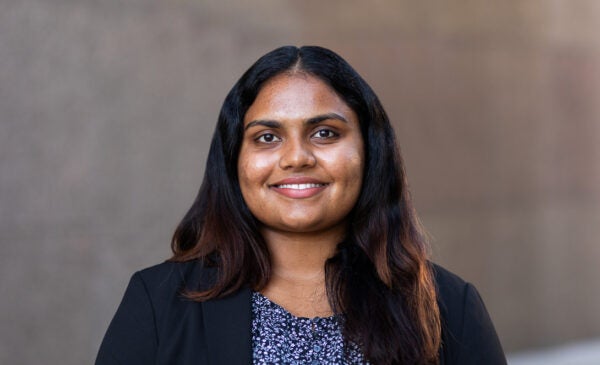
(299, 186)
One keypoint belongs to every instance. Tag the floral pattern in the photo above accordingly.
(278, 337)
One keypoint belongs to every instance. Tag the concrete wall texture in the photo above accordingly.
(107, 108)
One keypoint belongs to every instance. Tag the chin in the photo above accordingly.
(310, 226)
(301, 227)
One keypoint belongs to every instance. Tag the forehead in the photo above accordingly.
(296, 96)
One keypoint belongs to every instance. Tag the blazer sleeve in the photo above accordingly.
(131, 338)
(479, 343)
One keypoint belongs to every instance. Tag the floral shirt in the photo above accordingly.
(278, 337)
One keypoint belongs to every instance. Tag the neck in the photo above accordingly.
(297, 280)
(300, 255)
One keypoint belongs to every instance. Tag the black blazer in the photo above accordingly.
(155, 325)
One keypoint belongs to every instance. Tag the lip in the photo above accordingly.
(298, 187)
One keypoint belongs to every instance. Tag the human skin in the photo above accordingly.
(300, 172)
(299, 131)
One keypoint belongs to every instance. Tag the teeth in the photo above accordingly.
(299, 186)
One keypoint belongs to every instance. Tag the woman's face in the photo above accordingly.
(301, 160)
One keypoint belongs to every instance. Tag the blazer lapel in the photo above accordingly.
(227, 326)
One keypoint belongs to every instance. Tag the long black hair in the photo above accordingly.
(380, 277)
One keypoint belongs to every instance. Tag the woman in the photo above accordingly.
(302, 245)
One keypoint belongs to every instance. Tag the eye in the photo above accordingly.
(268, 138)
(325, 134)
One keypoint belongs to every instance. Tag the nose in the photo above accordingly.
(296, 154)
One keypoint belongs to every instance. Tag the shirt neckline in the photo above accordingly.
(263, 299)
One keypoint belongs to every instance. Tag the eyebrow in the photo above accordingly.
(319, 118)
(313, 120)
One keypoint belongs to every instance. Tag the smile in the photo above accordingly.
(299, 186)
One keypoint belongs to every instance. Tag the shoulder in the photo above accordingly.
(156, 295)
(446, 278)
(168, 275)
(450, 288)
(468, 334)
(167, 281)
(451, 291)
(147, 326)
(453, 295)
(163, 286)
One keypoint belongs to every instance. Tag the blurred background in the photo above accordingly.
(107, 109)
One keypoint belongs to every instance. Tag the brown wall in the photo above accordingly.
(107, 110)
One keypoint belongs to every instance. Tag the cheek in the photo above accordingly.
(355, 172)
(253, 169)
(346, 164)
